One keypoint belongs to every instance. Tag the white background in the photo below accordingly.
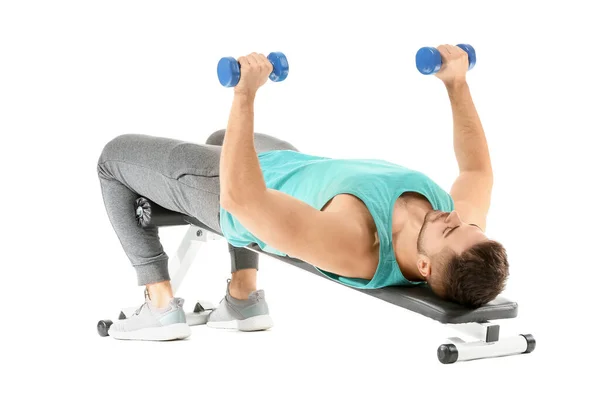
(73, 75)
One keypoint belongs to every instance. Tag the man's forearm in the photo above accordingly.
(241, 178)
(470, 145)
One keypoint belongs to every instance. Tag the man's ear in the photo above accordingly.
(424, 266)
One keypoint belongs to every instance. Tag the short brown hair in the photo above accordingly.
(473, 278)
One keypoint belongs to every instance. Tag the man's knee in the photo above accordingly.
(262, 141)
(216, 138)
(116, 146)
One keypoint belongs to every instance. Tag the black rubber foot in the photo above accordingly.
(530, 342)
(103, 327)
(198, 308)
(447, 353)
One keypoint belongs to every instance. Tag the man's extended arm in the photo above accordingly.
(241, 178)
(472, 190)
(470, 145)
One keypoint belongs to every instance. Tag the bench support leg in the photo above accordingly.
(186, 253)
(489, 344)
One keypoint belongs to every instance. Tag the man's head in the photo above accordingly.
(458, 261)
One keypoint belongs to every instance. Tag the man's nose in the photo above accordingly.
(453, 217)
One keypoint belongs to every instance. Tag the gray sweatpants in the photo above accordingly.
(177, 175)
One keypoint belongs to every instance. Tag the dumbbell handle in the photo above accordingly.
(429, 59)
(229, 70)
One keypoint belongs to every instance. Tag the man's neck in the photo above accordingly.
(407, 220)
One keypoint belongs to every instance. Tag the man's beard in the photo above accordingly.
(430, 217)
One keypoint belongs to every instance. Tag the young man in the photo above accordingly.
(366, 223)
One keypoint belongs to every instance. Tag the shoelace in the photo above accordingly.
(137, 312)
(146, 298)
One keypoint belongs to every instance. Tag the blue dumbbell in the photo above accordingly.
(429, 59)
(229, 73)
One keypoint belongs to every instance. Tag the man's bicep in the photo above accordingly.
(472, 192)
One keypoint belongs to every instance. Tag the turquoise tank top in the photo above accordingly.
(315, 180)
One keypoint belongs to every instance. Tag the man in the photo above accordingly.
(366, 223)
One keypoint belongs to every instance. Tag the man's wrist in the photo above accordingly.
(456, 84)
(244, 97)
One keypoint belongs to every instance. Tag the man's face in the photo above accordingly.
(442, 229)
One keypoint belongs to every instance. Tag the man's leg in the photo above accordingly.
(141, 245)
(244, 266)
(243, 306)
(135, 165)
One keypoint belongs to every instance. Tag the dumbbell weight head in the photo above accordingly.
(471, 52)
(228, 71)
(429, 60)
(281, 67)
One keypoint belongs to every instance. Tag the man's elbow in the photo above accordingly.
(233, 202)
(226, 199)
(226, 204)
(487, 176)
(482, 170)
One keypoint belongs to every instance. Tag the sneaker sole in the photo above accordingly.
(168, 332)
(257, 323)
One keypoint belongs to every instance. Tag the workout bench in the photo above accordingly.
(420, 299)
